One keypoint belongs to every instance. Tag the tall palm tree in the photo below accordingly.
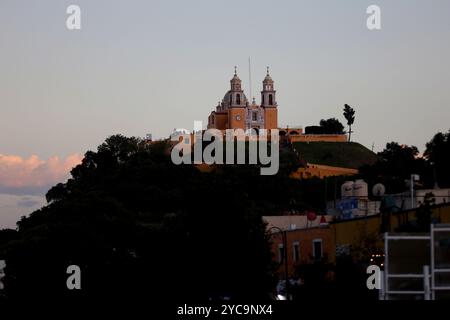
(349, 114)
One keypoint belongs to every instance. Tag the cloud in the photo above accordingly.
(24, 181)
(33, 175)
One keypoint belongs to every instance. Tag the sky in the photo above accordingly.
(139, 67)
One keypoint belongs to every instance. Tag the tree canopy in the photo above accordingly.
(326, 126)
(398, 162)
(437, 154)
(135, 222)
(349, 115)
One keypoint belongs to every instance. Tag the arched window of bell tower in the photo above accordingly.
(270, 100)
(238, 99)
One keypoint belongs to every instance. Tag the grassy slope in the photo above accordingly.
(338, 154)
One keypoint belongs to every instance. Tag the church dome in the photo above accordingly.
(227, 99)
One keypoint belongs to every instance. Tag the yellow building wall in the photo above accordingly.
(221, 121)
(233, 122)
(271, 118)
(294, 131)
(321, 171)
(318, 138)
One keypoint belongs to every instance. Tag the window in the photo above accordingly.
(255, 116)
(270, 100)
(296, 251)
(238, 99)
(280, 253)
(263, 99)
(317, 249)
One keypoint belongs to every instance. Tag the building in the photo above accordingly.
(308, 240)
(354, 202)
(236, 112)
(304, 246)
(326, 238)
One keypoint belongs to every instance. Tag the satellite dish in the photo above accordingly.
(378, 190)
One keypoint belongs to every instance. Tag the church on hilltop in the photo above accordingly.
(236, 112)
(321, 153)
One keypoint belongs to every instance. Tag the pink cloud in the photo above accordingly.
(18, 172)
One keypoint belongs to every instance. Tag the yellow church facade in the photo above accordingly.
(236, 112)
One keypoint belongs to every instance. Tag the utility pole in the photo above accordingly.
(283, 234)
(250, 77)
(414, 178)
(286, 273)
(2, 273)
(436, 185)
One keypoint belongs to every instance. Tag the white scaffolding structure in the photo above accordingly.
(387, 292)
(438, 267)
(431, 269)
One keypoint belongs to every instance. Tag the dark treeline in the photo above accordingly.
(398, 162)
(138, 224)
(134, 222)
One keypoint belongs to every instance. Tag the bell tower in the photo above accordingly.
(269, 102)
(237, 103)
(237, 97)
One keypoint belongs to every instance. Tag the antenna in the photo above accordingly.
(250, 76)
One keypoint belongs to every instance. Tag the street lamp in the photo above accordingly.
(284, 258)
(414, 178)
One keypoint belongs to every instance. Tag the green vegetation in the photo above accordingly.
(337, 154)
(326, 126)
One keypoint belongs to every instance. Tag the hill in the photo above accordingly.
(336, 154)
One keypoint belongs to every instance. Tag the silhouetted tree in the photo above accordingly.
(331, 126)
(424, 213)
(349, 114)
(397, 163)
(437, 154)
